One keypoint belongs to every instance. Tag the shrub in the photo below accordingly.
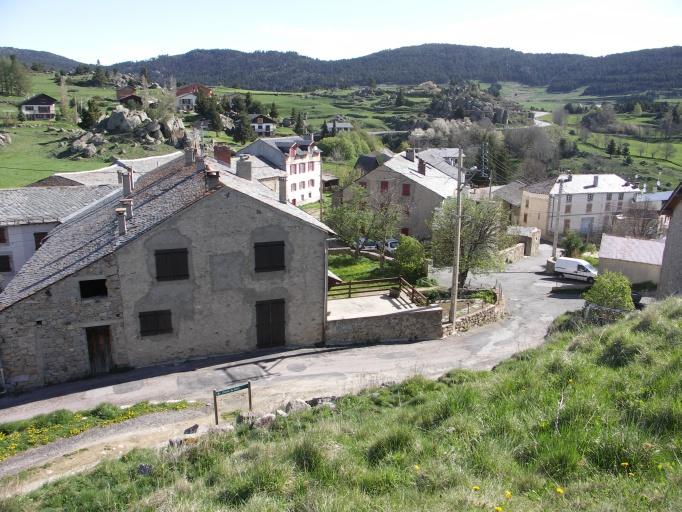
(572, 244)
(399, 440)
(611, 290)
(410, 258)
(307, 456)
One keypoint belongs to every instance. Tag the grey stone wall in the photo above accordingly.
(513, 254)
(410, 325)
(671, 269)
(42, 338)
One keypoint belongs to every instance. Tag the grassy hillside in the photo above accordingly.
(590, 421)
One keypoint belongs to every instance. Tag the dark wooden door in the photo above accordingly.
(99, 348)
(270, 323)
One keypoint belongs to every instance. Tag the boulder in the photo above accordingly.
(173, 129)
(246, 418)
(281, 413)
(221, 429)
(191, 430)
(98, 139)
(89, 151)
(296, 405)
(265, 421)
(5, 139)
(145, 469)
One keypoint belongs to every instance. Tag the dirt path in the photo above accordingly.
(31, 469)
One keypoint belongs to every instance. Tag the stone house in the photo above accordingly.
(671, 268)
(416, 185)
(510, 195)
(40, 106)
(639, 260)
(262, 125)
(188, 262)
(297, 156)
(28, 214)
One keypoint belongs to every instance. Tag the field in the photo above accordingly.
(590, 421)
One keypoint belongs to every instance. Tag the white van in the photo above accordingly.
(574, 268)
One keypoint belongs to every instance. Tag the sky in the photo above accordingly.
(116, 31)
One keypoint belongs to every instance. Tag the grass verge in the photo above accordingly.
(351, 269)
(590, 421)
(18, 436)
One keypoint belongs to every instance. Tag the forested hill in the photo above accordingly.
(656, 69)
(46, 59)
(619, 73)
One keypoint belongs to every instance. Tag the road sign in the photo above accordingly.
(226, 391)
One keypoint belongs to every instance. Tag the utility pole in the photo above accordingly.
(455, 258)
(556, 214)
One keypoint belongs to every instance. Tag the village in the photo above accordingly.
(436, 292)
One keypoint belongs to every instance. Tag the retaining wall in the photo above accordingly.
(513, 253)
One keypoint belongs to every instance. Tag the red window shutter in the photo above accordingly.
(363, 184)
(405, 231)
(384, 186)
(406, 189)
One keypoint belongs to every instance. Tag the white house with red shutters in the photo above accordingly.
(186, 96)
(299, 157)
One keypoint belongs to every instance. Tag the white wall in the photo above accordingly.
(599, 214)
(20, 246)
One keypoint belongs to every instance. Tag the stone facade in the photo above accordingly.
(409, 325)
(43, 338)
(671, 270)
(486, 315)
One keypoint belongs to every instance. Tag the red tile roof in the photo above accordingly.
(193, 89)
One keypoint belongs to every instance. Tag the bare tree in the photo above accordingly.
(533, 170)
(638, 221)
(668, 150)
(585, 134)
(559, 116)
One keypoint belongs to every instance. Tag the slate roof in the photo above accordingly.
(672, 202)
(37, 205)
(631, 249)
(511, 193)
(266, 119)
(285, 143)
(261, 169)
(108, 175)
(541, 187)
(93, 233)
(339, 125)
(434, 179)
(439, 163)
(193, 89)
(583, 184)
(441, 152)
(370, 161)
(653, 197)
(40, 99)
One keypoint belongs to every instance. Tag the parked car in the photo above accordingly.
(367, 244)
(391, 246)
(575, 268)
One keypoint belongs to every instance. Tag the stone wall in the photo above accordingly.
(488, 314)
(367, 254)
(513, 253)
(410, 325)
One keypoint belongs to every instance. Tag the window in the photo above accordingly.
(269, 256)
(590, 197)
(293, 187)
(44, 110)
(155, 322)
(621, 196)
(406, 189)
(567, 208)
(588, 209)
(405, 231)
(292, 169)
(384, 186)
(569, 198)
(406, 211)
(607, 207)
(301, 185)
(5, 263)
(3, 235)
(301, 167)
(311, 183)
(38, 238)
(609, 196)
(567, 225)
(302, 197)
(363, 184)
(620, 206)
(93, 288)
(527, 203)
(525, 218)
(28, 108)
(310, 194)
(311, 166)
(171, 265)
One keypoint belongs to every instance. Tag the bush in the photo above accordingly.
(410, 258)
(572, 244)
(611, 290)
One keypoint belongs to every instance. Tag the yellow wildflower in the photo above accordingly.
(476, 488)
(508, 494)
(559, 491)
(570, 381)
(624, 464)
(498, 509)
(416, 467)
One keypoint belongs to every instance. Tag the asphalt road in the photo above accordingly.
(306, 373)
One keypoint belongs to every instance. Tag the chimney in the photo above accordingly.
(282, 189)
(421, 167)
(223, 154)
(460, 158)
(244, 167)
(212, 178)
(128, 205)
(131, 178)
(309, 137)
(200, 164)
(189, 156)
(126, 184)
(409, 154)
(121, 215)
(595, 182)
(120, 175)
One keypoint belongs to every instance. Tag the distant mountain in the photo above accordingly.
(638, 71)
(47, 59)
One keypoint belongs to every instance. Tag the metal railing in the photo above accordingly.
(358, 288)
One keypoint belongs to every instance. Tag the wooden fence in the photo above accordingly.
(351, 289)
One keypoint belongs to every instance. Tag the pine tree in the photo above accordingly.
(243, 132)
(400, 98)
(274, 113)
(335, 130)
(637, 109)
(299, 128)
(90, 116)
(611, 148)
(324, 131)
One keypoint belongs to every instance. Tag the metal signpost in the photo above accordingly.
(231, 389)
